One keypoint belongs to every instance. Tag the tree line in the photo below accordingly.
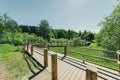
(108, 37)
(11, 32)
(47, 32)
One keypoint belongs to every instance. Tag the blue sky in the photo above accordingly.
(67, 14)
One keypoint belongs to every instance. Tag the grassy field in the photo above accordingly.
(12, 63)
(75, 52)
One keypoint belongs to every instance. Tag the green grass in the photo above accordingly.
(91, 52)
(14, 63)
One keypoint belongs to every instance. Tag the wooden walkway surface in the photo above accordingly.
(70, 68)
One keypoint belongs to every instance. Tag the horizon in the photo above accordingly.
(77, 15)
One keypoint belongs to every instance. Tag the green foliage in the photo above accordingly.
(89, 36)
(72, 34)
(61, 33)
(77, 41)
(6, 48)
(8, 25)
(13, 62)
(19, 38)
(11, 33)
(108, 37)
(45, 30)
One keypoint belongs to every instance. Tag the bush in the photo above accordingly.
(19, 38)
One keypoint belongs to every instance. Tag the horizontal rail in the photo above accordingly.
(111, 51)
(97, 64)
(56, 46)
(95, 56)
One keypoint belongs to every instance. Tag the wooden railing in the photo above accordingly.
(53, 59)
(71, 43)
(65, 52)
(91, 72)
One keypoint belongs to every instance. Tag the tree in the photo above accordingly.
(61, 33)
(83, 35)
(89, 36)
(45, 30)
(80, 33)
(70, 35)
(110, 29)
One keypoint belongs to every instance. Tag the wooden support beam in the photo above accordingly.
(91, 73)
(31, 50)
(54, 66)
(65, 51)
(57, 43)
(48, 46)
(118, 54)
(45, 58)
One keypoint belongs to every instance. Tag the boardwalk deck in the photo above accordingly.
(70, 68)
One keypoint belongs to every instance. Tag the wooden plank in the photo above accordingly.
(70, 73)
(54, 66)
(83, 75)
(62, 69)
(45, 58)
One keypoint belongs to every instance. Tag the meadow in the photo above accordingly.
(83, 54)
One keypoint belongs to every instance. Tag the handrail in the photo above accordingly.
(111, 51)
(97, 64)
(95, 56)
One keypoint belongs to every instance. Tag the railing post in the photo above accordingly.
(54, 66)
(91, 73)
(48, 46)
(27, 47)
(65, 51)
(51, 43)
(118, 54)
(45, 58)
(57, 43)
(31, 49)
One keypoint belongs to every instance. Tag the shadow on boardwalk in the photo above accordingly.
(32, 62)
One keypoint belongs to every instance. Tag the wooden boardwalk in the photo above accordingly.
(73, 69)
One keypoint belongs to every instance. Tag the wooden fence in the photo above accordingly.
(91, 74)
(53, 59)
(72, 43)
(65, 51)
